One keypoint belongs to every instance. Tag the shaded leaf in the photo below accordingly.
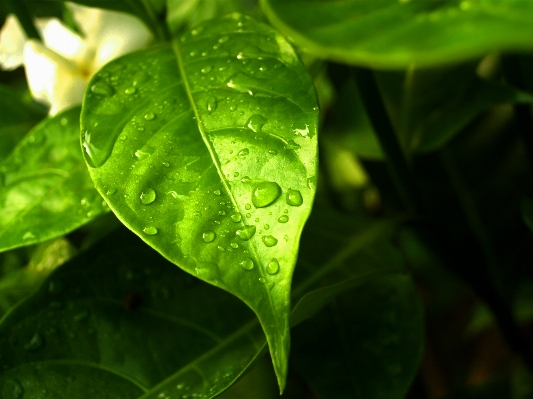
(395, 34)
(207, 150)
(46, 188)
(17, 117)
(368, 342)
(120, 316)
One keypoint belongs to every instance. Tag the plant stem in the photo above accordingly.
(400, 170)
(17, 8)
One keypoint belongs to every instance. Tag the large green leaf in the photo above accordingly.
(17, 117)
(46, 190)
(207, 150)
(396, 34)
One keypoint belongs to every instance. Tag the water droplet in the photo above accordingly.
(236, 217)
(144, 153)
(236, 174)
(286, 237)
(269, 241)
(248, 215)
(234, 245)
(221, 248)
(292, 145)
(246, 179)
(283, 219)
(294, 198)
(130, 90)
(262, 280)
(244, 152)
(248, 206)
(216, 192)
(272, 266)
(221, 213)
(265, 193)
(272, 152)
(149, 116)
(151, 230)
(223, 39)
(148, 196)
(12, 390)
(111, 191)
(256, 220)
(140, 77)
(266, 226)
(166, 164)
(256, 122)
(35, 342)
(102, 89)
(123, 137)
(246, 232)
(209, 236)
(207, 69)
(233, 107)
(63, 121)
(247, 264)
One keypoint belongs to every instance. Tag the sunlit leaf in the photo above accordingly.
(207, 150)
(46, 190)
(396, 34)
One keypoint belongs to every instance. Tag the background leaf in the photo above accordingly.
(207, 150)
(46, 188)
(395, 34)
(17, 117)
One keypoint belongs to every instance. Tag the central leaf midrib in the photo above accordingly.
(177, 52)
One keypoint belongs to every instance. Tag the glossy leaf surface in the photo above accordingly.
(46, 188)
(207, 150)
(396, 34)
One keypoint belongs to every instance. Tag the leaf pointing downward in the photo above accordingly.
(207, 150)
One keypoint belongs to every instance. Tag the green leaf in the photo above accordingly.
(120, 316)
(17, 117)
(392, 34)
(370, 340)
(207, 150)
(46, 188)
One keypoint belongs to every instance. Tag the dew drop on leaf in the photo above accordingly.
(130, 90)
(209, 236)
(247, 264)
(256, 122)
(246, 232)
(221, 248)
(272, 266)
(269, 241)
(244, 152)
(294, 198)
(149, 116)
(166, 164)
(265, 193)
(207, 69)
(292, 145)
(236, 217)
(150, 230)
(283, 219)
(148, 196)
(266, 226)
(216, 192)
(272, 152)
(233, 107)
(234, 245)
(111, 191)
(102, 89)
(248, 206)
(221, 213)
(34, 343)
(246, 179)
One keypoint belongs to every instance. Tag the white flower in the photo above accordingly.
(58, 70)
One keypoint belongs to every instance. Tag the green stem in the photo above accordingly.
(399, 168)
(159, 29)
(17, 8)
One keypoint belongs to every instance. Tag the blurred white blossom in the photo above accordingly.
(58, 69)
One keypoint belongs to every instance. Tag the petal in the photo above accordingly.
(62, 40)
(12, 39)
(110, 34)
(52, 79)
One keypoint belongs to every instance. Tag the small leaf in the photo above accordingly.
(392, 34)
(187, 138)
(46, 190)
